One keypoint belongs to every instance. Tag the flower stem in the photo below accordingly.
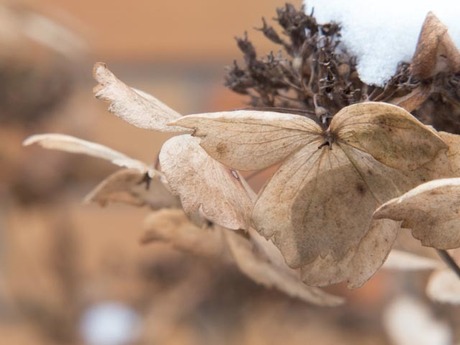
(450, 262)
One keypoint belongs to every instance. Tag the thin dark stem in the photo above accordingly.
(445, 256)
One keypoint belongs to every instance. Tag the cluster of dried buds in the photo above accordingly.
(336, 204)
(317, 74)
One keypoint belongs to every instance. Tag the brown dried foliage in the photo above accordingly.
(315, 73)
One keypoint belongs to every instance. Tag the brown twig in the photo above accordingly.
(450, 262)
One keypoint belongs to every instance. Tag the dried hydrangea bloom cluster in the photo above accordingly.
(315, 73)
(316, 70)
(313, 223)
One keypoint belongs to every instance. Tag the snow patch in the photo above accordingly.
(383, 33)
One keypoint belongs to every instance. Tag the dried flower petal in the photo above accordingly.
(260, 269)
(430, 210)
(250, 140)
(452, 164)
(172, 226)
(205, 186)
(435, 52)
(318, 206)
(130, 186)
(134, 106)
(414, 99)
(71, 144)
(359, 263)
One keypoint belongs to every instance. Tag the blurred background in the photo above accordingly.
(77, 274)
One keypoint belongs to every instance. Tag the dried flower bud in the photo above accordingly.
(344, 70)
(270, 33)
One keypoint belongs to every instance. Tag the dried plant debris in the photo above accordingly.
(313, 222)
(258, 267)
(132, 187)
(436, 63)
(173, 227)
(309, 70)
(207, 188)
(314, 72)
(134, 106)
(430, 210)
(365, 155)
(71, 144)
(436, 52)
(369, 154)
(138, 184)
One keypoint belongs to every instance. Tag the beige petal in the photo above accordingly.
(205, 185)
(134, 106)
(268, 248)
(414, 99)
(129, 186)
(431, 211)
(319, 203)
(446, 164)
(251, 140)
(388, 133)
(172, 226)
(317, 208)
(435, 52)
(444, 286)
(71, 144)
(259, 268)
(359, 263)
(452, 163)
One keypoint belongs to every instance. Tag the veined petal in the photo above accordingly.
(134, 106)
(129, 186)
(72, 144)
(251, 140)
(431, 211)
(388, 133)
(204, 185)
